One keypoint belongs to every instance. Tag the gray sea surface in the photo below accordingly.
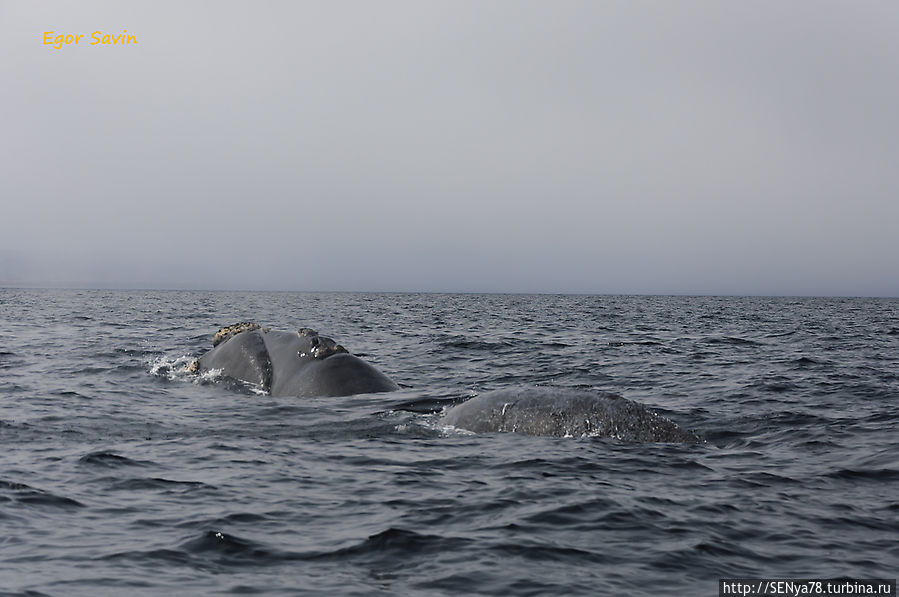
(121, 473)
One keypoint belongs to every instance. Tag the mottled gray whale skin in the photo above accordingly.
(299, 363)
(565, 412)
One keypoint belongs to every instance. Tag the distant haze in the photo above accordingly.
(698, 147)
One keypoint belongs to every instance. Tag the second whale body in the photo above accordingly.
(565, 412)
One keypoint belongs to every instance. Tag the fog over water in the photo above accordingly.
(598, 147)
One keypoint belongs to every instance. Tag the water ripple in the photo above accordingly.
(124, 474)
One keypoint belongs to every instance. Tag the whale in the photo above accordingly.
(307, 364)
(302, 363)
(565, 412)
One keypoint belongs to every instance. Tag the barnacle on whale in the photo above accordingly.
(231, 330)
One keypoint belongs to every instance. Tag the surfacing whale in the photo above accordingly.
(565, 412)
(306, 364)
(301, 363)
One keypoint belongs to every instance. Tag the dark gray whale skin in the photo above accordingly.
(565, 412)
(306, 364)
(293, 364)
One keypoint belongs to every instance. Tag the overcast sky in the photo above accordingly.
(699, 147)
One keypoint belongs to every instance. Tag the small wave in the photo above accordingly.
(879, 475)
(733, 341)
(571, 514)
(805, 361)
(160, 555)
(13, 486)
(94, 370)
(72, 394)
(211, 547)
(465, 343)
(230, 546)
(119, 352)
(779, 387)
(109, 460)
(548, 553)
(765, 480)
(719, 548)
(398, 543)
(31, 496)
(230, 519)
(157, 483)
(781, 334)
(775, 384)
(26, 593)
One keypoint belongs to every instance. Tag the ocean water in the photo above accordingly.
(122, 474)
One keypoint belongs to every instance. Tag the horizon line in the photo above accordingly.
(160, 288)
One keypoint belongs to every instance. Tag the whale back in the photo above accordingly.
(565, 412)
(243, 356)
(299, 363)
(297, 371)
